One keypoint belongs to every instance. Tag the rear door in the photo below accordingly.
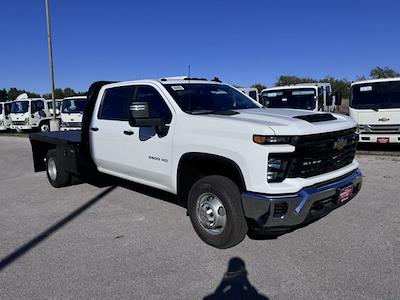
(111, 144)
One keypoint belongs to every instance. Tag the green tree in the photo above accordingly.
(259, 86)
(68, 92)
(3, 95)
(289, 80)
(384, 72)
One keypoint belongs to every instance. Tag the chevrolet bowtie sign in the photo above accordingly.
(383, 119)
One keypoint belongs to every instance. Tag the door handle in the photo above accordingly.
(128, 132)
(94, 129)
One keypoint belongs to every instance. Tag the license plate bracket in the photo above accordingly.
(345, 194)
(382, 140)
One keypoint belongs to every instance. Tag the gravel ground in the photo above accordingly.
(85, 242)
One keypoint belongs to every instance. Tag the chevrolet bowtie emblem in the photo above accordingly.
(340, 144)
(383, 119)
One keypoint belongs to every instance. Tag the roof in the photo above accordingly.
(75, 97)
(289, 87)
(375, 80)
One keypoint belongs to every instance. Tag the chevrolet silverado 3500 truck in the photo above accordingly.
(238, 167)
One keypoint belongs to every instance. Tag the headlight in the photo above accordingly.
(362, 128)
(277, 169)
(26, 121)
(264, 139)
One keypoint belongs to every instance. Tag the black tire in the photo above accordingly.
(227, 192)
(60, 178)
(44, 126)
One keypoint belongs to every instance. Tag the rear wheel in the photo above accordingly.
(56, 174)
(216, 213)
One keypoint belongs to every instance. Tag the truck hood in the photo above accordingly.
(381, 117)
(284, 121)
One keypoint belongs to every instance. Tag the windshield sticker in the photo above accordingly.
(272, 94)
(284, 99)
(219, 92)
(177, 88)
(302, 93)
(367, 88)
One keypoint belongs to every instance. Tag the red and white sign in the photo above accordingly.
(383, 140)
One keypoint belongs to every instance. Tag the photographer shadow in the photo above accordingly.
(235, 284)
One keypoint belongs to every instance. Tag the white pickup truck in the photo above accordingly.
(375, 107)
(238, 167)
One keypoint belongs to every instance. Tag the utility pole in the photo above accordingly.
(54, 123)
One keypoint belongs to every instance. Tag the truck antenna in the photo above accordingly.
(189, 72)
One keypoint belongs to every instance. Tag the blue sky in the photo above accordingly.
(242, 42)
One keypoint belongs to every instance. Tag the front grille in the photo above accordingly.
(393, 128)
(18, 122)
(72, 124)
(322, 153)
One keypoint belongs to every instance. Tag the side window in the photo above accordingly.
(115, 103)
(157, 106)
(39, 105)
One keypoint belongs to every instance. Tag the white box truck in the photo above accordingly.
(375, 107)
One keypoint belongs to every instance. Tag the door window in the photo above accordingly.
(157, 106)
(115, 104)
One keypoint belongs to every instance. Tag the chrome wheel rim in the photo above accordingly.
(52, 169)
(211, 213)
(45, 127)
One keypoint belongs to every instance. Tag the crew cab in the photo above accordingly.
(238, 167)
(71, 112)
(375, 107)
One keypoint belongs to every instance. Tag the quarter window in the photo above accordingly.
(115, 105)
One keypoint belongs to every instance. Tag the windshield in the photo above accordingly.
(197, 98)
(290, 98)
(20, 107)
(376, 95)
(73, 106)
(1, 108)
(50, 104)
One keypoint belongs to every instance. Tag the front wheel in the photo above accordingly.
(215, 210)
(44, 127)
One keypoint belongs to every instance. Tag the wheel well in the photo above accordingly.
(194, 166)
(40, 150)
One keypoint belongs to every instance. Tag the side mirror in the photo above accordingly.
(338, 100)
(139, 116)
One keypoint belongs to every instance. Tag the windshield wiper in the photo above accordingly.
(226, 112)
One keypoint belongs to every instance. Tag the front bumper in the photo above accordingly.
(21, 127)
(280, 213)
(373, 137)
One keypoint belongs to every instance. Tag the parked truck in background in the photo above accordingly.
(375, 107)
(238, 167)
(30, 114)
(309, 96)
(72, 109)
(58, 106)
(5, 119)
(251, 92)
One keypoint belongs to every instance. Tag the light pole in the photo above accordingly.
(54, 122)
